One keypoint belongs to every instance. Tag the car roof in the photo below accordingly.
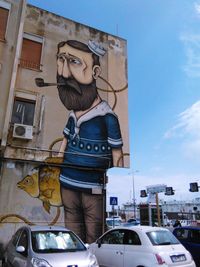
(34, 228)
(142, 228)
(189, 227)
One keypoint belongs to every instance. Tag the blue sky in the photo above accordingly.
(163, 40)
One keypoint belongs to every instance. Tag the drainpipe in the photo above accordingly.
(14, 74)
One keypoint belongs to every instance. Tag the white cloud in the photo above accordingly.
(197, 8)
(192, 49)
(188, 124)
(187, 129)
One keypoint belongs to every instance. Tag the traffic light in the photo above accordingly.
(169, 191)
(194, 187)
(143, 193)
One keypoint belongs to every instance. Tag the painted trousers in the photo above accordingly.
(84, 213)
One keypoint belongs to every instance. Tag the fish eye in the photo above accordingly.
(28, 180)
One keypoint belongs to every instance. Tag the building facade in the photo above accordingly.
(32, 118)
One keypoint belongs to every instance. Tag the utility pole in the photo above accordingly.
(133, 187)
(158, 209)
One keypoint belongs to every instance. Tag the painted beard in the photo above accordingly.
(76, 96)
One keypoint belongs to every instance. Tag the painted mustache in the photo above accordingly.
(40, 83)
(69, 82)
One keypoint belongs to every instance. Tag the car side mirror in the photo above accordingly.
(99, 243)
(20, 249)
(87, 245)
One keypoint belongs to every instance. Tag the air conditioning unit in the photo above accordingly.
(23, 131)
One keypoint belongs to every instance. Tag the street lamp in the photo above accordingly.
(133, 184)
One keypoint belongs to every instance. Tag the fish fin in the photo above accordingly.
(47, 193)
(46, 206)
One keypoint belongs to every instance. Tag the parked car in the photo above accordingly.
(112, 222)
(131, 222)
(47, 246)
(189, 236)
(140, 246)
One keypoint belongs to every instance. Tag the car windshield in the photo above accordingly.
(158, 238)
(55, 241)
(113, 222)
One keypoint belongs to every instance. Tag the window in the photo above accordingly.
(24, 109)
(55, 241)
(132, 238)
(4, 12)
(181, 234)
(23, 241)
(195, 236)
(114, 237)
(16, 237)
(161, 237)
(31, 52)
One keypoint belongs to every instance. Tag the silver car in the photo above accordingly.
(47, 246)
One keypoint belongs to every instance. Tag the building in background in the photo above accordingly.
(32, 118)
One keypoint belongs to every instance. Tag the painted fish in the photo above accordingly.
(44, 184)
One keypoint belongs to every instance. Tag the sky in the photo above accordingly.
(163, 42)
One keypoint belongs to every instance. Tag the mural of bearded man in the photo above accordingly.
(92, 140)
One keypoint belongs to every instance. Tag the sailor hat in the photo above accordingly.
(96, 48)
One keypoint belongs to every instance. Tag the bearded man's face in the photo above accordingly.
(75, 69)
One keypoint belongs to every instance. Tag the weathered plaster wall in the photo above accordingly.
(19, 162)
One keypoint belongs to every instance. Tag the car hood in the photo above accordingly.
(79, 258)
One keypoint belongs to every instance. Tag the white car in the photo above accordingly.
(140, 246)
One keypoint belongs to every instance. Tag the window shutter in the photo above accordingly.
(3, 22)
(31, 54)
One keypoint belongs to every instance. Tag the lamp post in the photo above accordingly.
(133, 187)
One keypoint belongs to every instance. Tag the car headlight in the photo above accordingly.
(36, 262)
(93, 261)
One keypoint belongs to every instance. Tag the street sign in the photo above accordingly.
(113, 201)
(156, 188)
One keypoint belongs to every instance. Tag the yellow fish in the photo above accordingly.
(44, 184)
(30, 184)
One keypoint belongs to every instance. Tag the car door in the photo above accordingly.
(11, 248)
(110, 251)
(193, 244)
(190, 239)
(20, 258)
(134, 254)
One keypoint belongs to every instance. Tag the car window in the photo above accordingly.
(195, 236)
(16, 237)
(23, 241)
(181, 234)
(113, 237)
(113, 223)
(131, 238)
(161, 237)
(55, 241)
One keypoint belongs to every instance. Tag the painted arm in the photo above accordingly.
(62, 147)
(118, 160)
